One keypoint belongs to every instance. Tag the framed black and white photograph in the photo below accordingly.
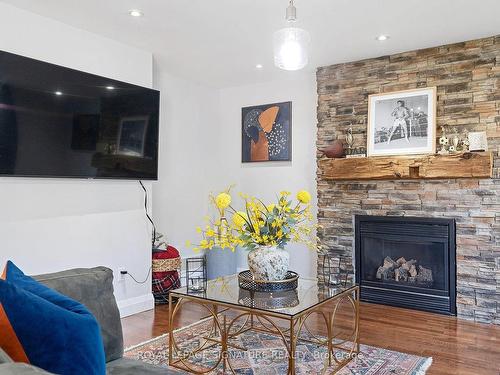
(402, 123)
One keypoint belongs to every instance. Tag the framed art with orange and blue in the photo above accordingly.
(266, 133)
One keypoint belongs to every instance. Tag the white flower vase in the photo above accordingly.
(268, 263)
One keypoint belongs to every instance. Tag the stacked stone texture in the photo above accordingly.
(467, 77)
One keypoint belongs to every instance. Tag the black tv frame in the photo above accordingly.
(110, 82)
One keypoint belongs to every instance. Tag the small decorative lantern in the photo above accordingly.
(332, 273)
(196, 274)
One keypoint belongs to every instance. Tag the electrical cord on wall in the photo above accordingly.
(133, 278)
(147, 213)
(124, 272)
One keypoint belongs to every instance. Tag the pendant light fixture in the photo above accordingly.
(291, 43)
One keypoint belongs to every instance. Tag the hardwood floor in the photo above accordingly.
(458, 347)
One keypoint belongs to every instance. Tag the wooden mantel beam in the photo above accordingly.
(463, 165)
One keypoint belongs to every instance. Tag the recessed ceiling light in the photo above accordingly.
(135, 13)
(110, 87)
(382, 37)
(259, 66)
(58, 93)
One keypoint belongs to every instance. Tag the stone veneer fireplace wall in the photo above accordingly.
(467, 77)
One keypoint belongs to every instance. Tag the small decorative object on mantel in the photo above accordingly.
(263, 229)
(357, 152)
(335, 150)
(402, 123)
(478, 141)
(454, 144)
(353, 152)
(196, 275)
(466, 142)
(349, 139)
(443, 142)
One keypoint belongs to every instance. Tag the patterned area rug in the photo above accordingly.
(266, 355)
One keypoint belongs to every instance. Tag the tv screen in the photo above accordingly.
(60, 122)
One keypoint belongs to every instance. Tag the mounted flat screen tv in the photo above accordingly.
(60, 122)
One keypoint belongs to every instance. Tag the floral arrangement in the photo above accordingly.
(453, 144)
(259, 224)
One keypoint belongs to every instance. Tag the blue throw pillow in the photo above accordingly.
(46, 328)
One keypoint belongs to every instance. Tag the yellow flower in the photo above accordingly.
(223, 200)
(257, 224)
(303, 197)
(239, 219)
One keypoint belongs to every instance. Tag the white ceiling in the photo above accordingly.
(219, 42)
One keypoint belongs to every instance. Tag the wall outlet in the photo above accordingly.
(122, 271)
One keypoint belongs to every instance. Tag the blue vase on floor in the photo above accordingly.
(220, 262)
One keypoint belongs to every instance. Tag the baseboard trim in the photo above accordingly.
(136, 305)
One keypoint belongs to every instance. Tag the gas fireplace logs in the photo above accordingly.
(403, 271)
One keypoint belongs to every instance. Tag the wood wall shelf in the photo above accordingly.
(463, 165)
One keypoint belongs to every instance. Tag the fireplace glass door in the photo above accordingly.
(418, 263)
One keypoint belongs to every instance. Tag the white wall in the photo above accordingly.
(190, 158)
(49, 225)
(201, 153)
(267, 179)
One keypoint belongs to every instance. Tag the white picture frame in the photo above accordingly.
(402, 123)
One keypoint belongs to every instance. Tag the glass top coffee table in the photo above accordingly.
(234, 311)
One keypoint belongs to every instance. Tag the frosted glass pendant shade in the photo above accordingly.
(291, 48)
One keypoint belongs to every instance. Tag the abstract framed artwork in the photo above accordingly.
(402, 122)
(266, 133)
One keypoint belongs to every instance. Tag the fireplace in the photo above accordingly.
(407, 262)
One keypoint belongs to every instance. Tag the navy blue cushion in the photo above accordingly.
(56, 333)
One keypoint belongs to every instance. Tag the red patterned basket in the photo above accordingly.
(166, 266)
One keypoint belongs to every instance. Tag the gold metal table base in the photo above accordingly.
(223, 330)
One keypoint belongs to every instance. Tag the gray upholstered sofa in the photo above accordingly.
(94, 288)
